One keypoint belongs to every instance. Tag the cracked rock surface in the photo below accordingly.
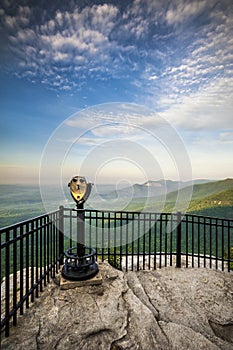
(163, 309)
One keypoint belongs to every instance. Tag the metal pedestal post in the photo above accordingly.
(80, 260)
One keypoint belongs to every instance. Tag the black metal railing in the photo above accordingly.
(137, 240)
(32, 251)
(30, 255)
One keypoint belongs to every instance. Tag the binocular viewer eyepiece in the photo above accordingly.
(80, 189)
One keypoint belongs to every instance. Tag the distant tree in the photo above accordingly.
(231, 257)
(114, 259)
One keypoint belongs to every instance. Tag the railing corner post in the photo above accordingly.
(178, 241)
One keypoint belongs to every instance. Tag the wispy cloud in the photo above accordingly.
(177, 56)
(210, 108)
(181, 11)
(63, 42)
(196, 90)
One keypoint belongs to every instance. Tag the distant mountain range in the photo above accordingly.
(148, 189)
(210, 198)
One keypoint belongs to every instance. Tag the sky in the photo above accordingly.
(124, 91)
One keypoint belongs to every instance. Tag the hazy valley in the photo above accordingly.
(210, 198)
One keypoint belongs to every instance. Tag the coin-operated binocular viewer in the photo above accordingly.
(80, 260)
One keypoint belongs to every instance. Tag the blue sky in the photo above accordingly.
(59, 57)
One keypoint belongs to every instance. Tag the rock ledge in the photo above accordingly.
(163, 309)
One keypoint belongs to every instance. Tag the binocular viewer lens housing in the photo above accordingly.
(80, 189)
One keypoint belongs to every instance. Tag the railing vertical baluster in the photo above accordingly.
(149, 243)
(61, 235)
(114, 237)
(72, 231)
(228, 247)
(198, 241)
(47, 233)
(187, 239)
(53, 249)
(51, 246)
(192, 228)
(165, 240)
(160, 240)
(41, 255)
(96, 232)
(171, 236)
(57, 233)
(7, 284)
(120, 240)
(27, 265)
(21, 268)
(108, 238)
(90, 224)
(223, 242)
(37, 258)
(32, 260)
(204, 242)
(155, 242)
(178, 240)
(216, 244)
(210, 223)
(132, 258)
(126, 243)
(44, 248)
(102, 235)
(15, 261)
(138, 243)
(56, 242)
(144, 242)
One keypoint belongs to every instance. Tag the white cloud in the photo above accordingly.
(100, 39)
(10, 22)
(78, 37)
(60, 56)
(206, 61)
(210, 108)
(24, 14)
(59, 18)
(180, 11)
(26, 36)
(153, 77)
(22, 18)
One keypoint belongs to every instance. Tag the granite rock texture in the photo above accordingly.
(167, 308)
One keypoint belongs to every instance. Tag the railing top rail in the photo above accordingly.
(209, 217)
(151, 212)
(120, 211)
(185, 217)
(25, 222)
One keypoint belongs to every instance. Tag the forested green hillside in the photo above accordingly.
(209, 199)
(202, 190)
(219, 204)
